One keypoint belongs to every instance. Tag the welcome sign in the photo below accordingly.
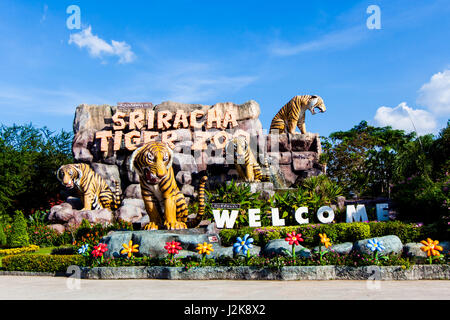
(325, 214)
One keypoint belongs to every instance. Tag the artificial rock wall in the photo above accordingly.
(196, 151)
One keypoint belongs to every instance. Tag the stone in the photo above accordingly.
(392, 244)
(108, 172)
(340, 248)
(59, 228)
(151, 243)
(61, 213)
(278, 143)
(102, 216)
(304, 160)
(412, 250)
(278, 247)
(252, 126)
(184, 177)
(289, 176)
(131, 210)
(280, 157)
(81, 145)
(184, 162)
(133, 191)
(188, 190)
(302, 142)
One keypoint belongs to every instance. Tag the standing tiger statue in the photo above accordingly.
(246, 165)
(164, 203)
(292, 114)
(95, 192)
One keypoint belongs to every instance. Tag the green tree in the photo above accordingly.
(29, 157)
(2, 236)
(361, 159)
(19, 235)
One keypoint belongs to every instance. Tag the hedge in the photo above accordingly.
(41, 263)
(337, 232)
(13, 251)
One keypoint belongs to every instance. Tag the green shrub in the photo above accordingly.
(64, 251)
(2, 236)
(41, 263)
(42, 235)
(238, 194)
(19, 235)
(337, 232)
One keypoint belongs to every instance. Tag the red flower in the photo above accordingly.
(99, 250)
(294, 238)
(173, 247)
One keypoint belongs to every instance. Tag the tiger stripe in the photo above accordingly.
(96, 194)
(153, 163)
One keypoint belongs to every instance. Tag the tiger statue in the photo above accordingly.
(246, 165)
(164, 203)
(292, 114)
(95, 192)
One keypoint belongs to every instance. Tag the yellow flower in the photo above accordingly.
(431, 247)
(129, 248)
(204, 248)
(326, 241)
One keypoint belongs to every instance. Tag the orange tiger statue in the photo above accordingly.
(292, 114)
(164, 203)
(93, 189)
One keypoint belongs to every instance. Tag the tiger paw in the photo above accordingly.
(151, 226)
(175, 225)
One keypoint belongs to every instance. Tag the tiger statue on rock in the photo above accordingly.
(164, 203)
(247, 167)
(95, 192)
(292, 114)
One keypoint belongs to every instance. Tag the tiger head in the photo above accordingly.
(316, 102)
(69, 175)
(152, 161)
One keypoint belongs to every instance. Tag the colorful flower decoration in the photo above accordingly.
(375, 245)
(431, 247)
(99, 250)
(205, 248)
(325, 240)
(129, 248)
(294, 238)
(243, 244)
(83, 249)
(173, 247)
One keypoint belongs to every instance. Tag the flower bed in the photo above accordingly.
(14, 251)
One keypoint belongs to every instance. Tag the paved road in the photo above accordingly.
(26, 287)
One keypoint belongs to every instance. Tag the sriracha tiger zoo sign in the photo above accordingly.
(143, 124)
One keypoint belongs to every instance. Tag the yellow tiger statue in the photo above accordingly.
(164, 203)
(292, 114)
(93, 189)
(246, 165)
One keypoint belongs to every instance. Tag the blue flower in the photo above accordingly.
(243, 244)
(83, 248)
(375, 245)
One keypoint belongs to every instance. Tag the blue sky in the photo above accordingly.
(216, 51)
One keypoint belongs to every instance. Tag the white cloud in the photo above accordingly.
(435, 94)
(44, 15)
(340, 39)
(402, 117)
(98, 47)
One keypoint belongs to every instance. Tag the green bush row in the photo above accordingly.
(337, 232)
(41, 263)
